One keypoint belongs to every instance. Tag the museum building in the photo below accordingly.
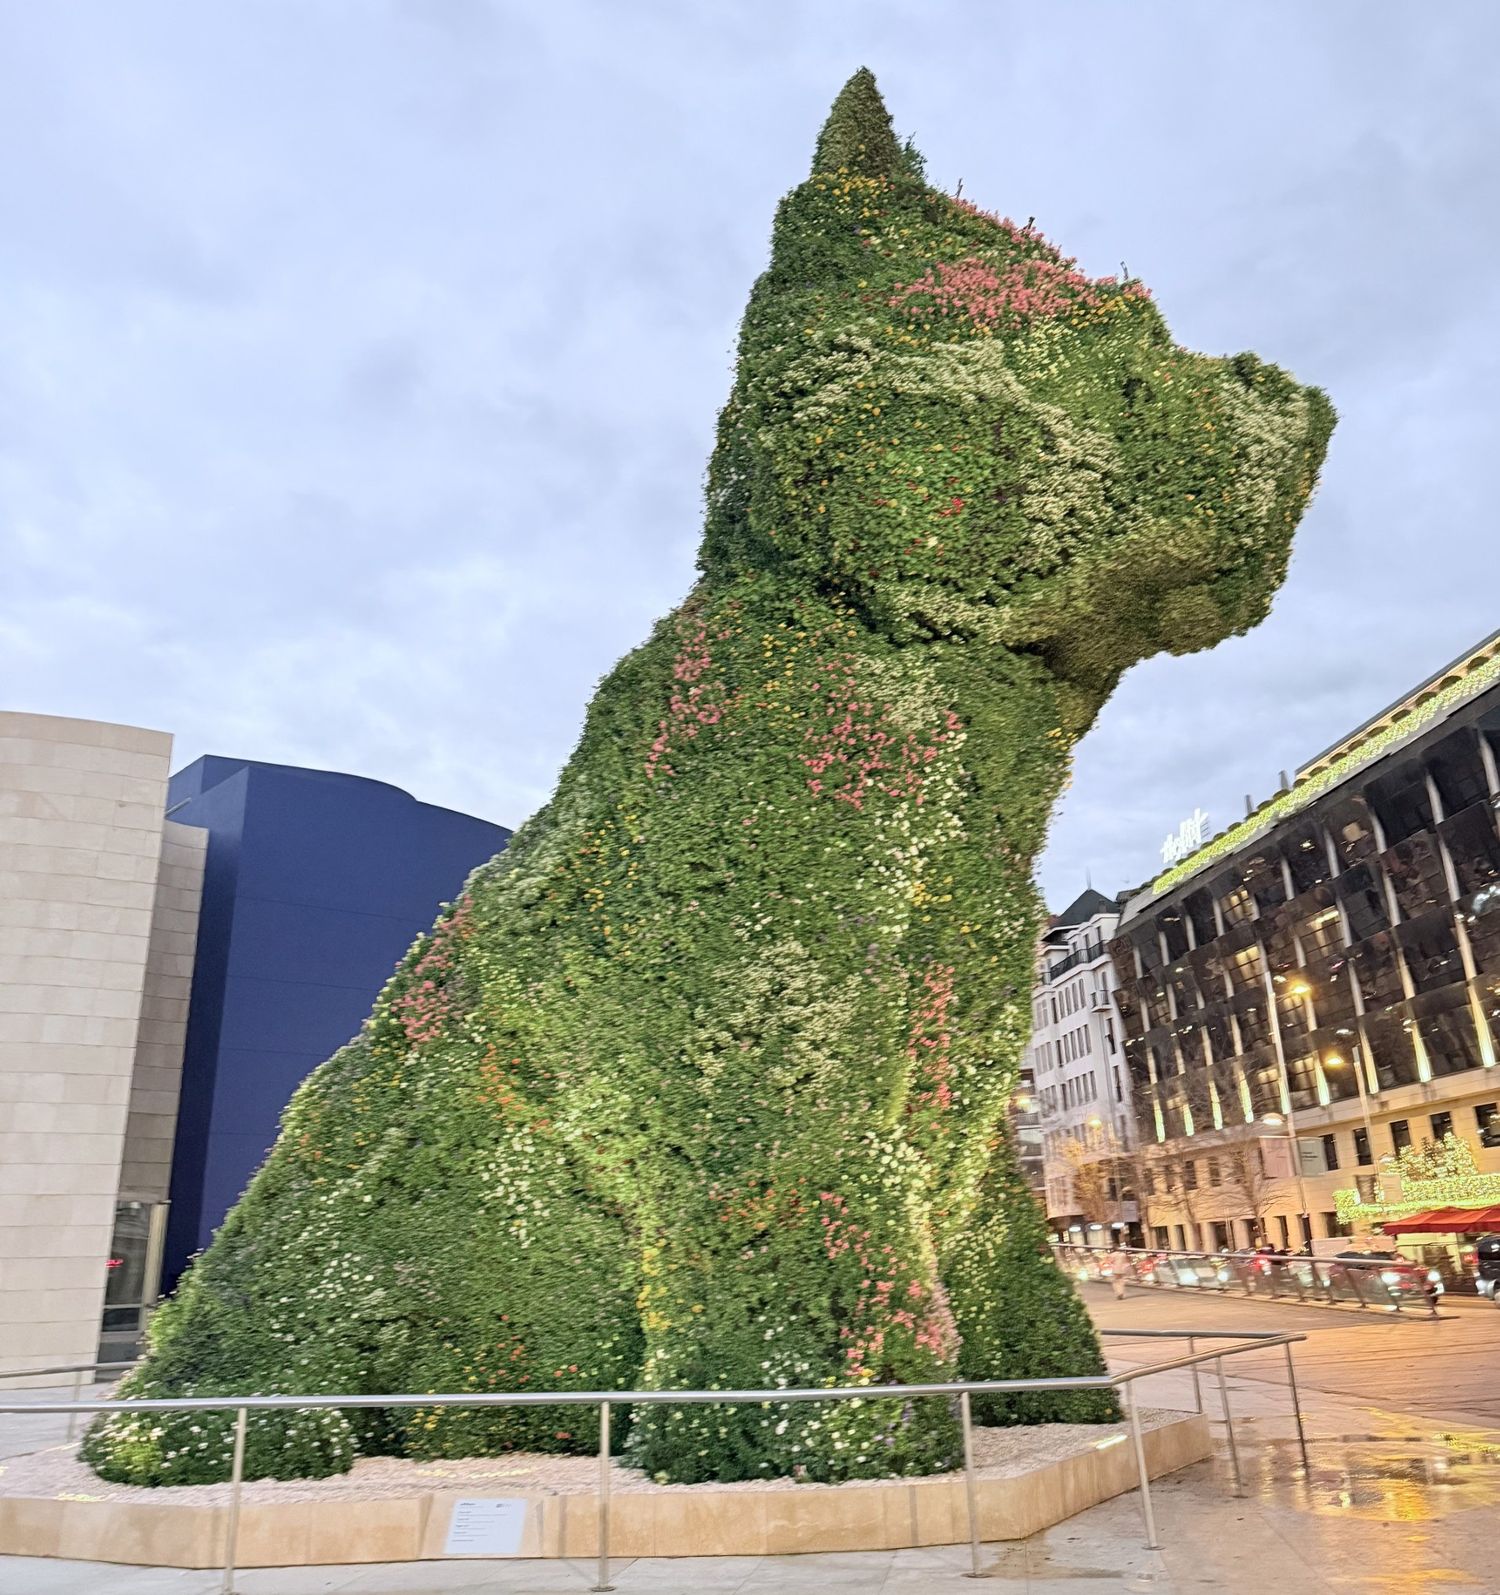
(176, 954)
(1323, 979)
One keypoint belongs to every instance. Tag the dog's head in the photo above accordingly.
(943, 422)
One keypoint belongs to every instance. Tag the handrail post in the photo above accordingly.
(971, 1491)
(1148, 1513)
(77, 1396)
(236, 1477)
(603, 1583)
(1291, 1379)
(1192, 1341)
(1234, 1450)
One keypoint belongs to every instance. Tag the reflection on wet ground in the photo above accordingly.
(1407, 1481)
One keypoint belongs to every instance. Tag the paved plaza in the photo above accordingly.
(1402, 1498)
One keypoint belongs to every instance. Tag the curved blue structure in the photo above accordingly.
(315, 884)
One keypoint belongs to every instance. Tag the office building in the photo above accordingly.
(175, 957)
(1077, 1066)
(1311, 999)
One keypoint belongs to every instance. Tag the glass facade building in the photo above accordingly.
(1326, 974)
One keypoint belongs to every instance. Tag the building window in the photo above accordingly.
(1474, 847)
(1442, 1124)
(1302, 1080)
(1189, 1175)
(1213, 1171)
(1245, 968)
(1362, 1154)
(1400, 1135)
(1235, 905)
(1364, 902)
(1484, 1115)
(1330, 1152)
(1448, 1035)
(1401, 803)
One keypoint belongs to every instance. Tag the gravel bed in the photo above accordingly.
(58, 1473)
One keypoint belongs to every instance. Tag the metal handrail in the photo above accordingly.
(67, 1367)
(77, 1369)
(1245, 1268)
(242, 1406)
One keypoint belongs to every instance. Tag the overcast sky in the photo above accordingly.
(359, 359)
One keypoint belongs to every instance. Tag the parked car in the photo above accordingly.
(1402, 1278)
(1487, 1267)
(1199, 1272)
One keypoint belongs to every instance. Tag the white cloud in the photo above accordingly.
(359, 365)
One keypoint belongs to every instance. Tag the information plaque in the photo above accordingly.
(485, 1527)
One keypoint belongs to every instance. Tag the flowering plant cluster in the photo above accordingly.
(703, 1083)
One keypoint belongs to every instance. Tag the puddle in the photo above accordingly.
(1383, 1481)
(1036, 1564)
(1039, 1564)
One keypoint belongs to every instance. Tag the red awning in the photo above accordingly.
(1444, 1220)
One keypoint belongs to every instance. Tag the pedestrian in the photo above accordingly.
(1118, 1264)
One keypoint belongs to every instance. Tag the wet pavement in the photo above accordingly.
(1395, 1501)
(1433, 1367)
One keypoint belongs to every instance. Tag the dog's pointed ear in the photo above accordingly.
(858, 136)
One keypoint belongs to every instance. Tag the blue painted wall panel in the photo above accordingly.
(314, 887)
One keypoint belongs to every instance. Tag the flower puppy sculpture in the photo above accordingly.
(702, 1083)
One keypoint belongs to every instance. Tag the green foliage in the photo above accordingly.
(697, 1085)
(1018, 1315)
(1448, 1159)
(858, 135)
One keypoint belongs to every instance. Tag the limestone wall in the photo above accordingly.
(81, 842)
(147, 1171)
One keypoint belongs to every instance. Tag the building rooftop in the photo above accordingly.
(1425, 706)
(1086, 906)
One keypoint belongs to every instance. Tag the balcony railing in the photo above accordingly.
(1079, 955)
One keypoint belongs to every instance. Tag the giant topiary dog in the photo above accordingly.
(703, 1081)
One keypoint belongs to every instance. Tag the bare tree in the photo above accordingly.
(1089, 1175)
(1241, 1157)
(1174, 1173)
